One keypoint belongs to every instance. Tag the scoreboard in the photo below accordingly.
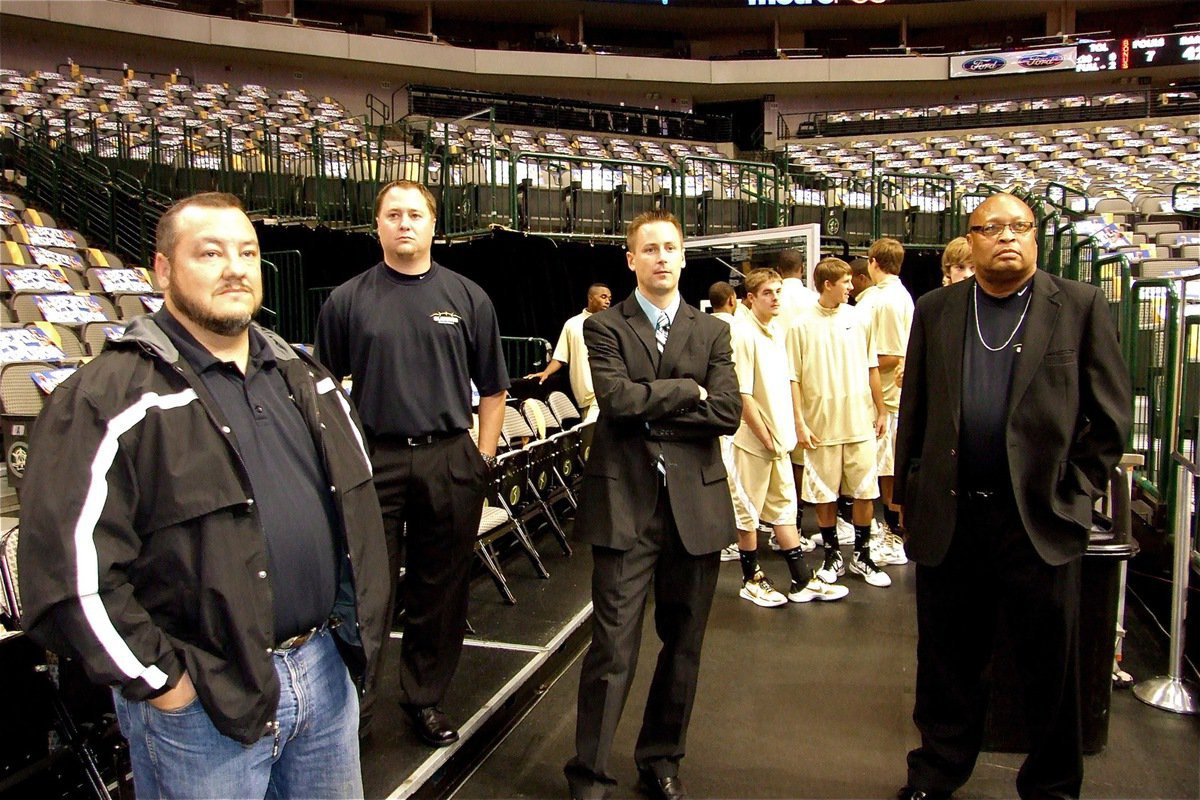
(1160, 50)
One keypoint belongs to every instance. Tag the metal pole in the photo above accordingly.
(1169, 692)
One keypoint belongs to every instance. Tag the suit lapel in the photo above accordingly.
(954, 326)
(636, 319)
(681, 329)
(1039, 325)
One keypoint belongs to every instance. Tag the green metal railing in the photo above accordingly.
(524, 354)
(1066, 199)
(283, 307)
(580, 197)
(720, 195)
(1149, 349)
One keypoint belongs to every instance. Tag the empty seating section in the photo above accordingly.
(991, 114)
(62, 299)
(912, 187)
(295, 156)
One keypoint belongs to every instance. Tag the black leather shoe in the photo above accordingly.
(669, 788)
(909, 793)
(432, 726)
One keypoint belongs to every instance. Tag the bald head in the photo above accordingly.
(1004, 259)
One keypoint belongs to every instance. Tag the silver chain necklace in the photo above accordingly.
(1008, 341)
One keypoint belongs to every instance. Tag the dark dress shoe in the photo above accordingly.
(668, 788)
(909, 793)
(432, 726)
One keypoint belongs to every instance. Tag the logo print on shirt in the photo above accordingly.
(445, 318)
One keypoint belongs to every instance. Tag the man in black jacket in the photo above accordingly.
(654, 505)
(1016, 406)
(199, 528)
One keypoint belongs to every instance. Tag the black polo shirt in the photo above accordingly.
(987, 375)
(412, 344)
(291, 491)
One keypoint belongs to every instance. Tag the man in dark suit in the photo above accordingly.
(1016, 407)
(654, 506)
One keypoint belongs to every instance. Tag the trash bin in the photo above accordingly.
(1111, 543)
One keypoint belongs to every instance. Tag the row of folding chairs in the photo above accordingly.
(542, 448)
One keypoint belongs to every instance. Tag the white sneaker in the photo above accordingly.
(730, 553)
(760, 592)
(816, 589)
(891, 551)
(807, 545)
(833, 568)
(845, 532)
(864, 566)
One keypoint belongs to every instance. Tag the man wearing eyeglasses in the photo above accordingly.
(1016, 407)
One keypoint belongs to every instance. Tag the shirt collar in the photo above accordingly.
(769, 327)
(199, 357)
(652, 311)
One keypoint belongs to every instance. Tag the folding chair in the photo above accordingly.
(516, 430)
(545, 486)
(562, 408)
(544, 423)
(511, 479)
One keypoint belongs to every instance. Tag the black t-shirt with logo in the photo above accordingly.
(412, 345)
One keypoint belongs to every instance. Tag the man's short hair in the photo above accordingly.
(166, 233)
(858, 266)
(888, 254)
(596, 286)
(956, 252)
(829, 269)
(791, 262)
(760, 277)
(647, 217)
(407, 184)
(720, 293)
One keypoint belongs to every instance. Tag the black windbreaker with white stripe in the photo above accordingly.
(141, 551)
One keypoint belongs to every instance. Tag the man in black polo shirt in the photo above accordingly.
(413, 336)
(1016, 406)
(199, 528)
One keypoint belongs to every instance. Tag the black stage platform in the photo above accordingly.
(514, 654)
(804, 701)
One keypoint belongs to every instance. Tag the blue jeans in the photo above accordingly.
(180, 754)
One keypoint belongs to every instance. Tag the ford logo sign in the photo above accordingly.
(1040, 60)
(984, 64)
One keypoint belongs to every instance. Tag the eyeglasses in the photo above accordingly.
(992, 230)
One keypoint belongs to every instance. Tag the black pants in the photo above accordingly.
(432, 495)
(683, 592)
(992, 567)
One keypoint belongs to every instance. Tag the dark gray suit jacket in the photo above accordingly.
(1069, 413)
(650, 404)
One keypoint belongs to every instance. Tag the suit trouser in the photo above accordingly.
(432, 496)
(992, 567)
(683, 592)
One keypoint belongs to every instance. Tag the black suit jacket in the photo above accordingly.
(650, 404)
(1069, 413)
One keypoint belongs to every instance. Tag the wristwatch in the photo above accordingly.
(489, 460)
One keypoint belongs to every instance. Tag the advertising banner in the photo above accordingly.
(1047, 59)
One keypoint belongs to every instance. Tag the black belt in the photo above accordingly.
(421, 440)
